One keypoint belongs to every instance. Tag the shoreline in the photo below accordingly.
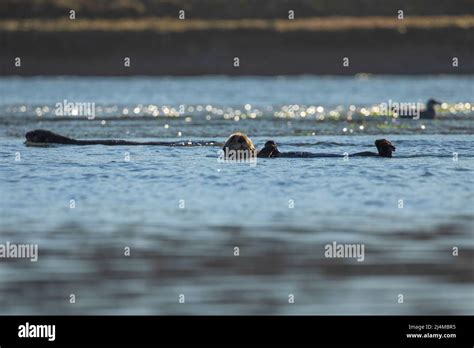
(376, 47)
(169, 24)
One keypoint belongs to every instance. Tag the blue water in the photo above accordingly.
(182, 212)
(228, 91)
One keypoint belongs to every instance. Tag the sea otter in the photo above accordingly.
(40, 137)
(239, 142)
(384, 148)
(428, 114)
(270, 150)
(239, 146)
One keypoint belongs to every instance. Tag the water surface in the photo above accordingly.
(182, 213)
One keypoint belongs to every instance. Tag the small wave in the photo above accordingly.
(427, 173)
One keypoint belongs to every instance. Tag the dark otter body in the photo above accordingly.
(302, 154)
(366, 154)
(41, 137)
(270, 150)
(428, 114)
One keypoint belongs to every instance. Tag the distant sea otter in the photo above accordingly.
(238, 146)
(40, 137)
(428, 114)
(240, 142)
(384, 147)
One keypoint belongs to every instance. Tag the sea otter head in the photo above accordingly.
(432, 102)
(239, 144)
(40, 136)
(384, 147)
(270, 150)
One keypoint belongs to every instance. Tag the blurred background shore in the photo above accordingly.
(213, 33)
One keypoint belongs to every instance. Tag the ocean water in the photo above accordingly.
(182, 213)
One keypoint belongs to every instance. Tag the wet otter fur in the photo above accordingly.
(41, 137)
(270, 150)
(428, 114)
(239, 146)
(384, 148)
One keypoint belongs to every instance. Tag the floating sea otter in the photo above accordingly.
(40, 137)
(239, 143)
(238, 146)
(428, 114)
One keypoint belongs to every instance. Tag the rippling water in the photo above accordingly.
(182, 212)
